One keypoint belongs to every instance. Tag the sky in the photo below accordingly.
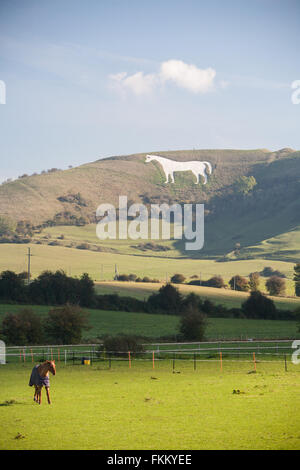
(83, 80)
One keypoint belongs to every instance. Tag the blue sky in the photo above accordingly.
(86, 80)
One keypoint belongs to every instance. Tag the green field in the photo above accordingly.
(157, 326)
(97, 408)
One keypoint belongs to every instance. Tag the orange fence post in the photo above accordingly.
(153, 359)
(221, 365)
(129, 359)
(24, 355)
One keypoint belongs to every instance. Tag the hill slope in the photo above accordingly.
(266, 222)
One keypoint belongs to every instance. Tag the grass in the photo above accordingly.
(96, 408)
(156, 326)
(226, 297)
(101, 265)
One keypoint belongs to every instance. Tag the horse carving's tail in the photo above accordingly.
(209, 167)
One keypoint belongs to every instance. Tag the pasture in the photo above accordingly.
(104, 322)
(94, 407)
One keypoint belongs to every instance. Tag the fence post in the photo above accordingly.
(254, 361)
(173, 362)
(194, 361)
(153, 359)
(129, 359)
(221, 364)
(285, 364)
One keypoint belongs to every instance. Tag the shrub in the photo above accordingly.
(239, 283)
(215, 281)
(168, 300)
(192, 324)
(297, 279)
(268, 272)
(259, 306)
(177, 279)
(22, 328)
(276, 285)
(64, 325)
(122, 343)
(254, 281)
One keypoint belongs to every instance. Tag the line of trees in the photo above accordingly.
(65, 323)
(62, 325)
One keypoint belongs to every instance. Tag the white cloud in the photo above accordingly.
(188, 76)
(184, 75)
(138, 83)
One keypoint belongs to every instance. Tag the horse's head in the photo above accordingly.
(52, 368)
(149, 158)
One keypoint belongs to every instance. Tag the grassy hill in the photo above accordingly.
(265, 223)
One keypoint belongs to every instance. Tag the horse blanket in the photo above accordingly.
(36, 379)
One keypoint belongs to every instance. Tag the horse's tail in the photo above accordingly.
(209, 167)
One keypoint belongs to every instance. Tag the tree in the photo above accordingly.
(178, 279)
(168, 300)
(7, 226)
(22, 328)
(254, 281)
(215, 281)
(239, 283)
(245, 184)
(297, 279)
(192, 324)
(64, 325)
(86, 291)
(259, 306)
(122, 343)
(276, 285)
(12, 286)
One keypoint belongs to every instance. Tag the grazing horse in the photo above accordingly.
(170, 166)
(39, 378)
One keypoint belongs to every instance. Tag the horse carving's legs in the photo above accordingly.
(48, 395)
(197, 176)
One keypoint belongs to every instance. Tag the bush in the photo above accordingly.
(276, 285)
(254, 281)
(215, 281)
(177, 279)
(64, 325)
(239, 283)
(168, 300)
(192, 324)
(259, 306)
(22, 328)
(268, 272)
(122, 343)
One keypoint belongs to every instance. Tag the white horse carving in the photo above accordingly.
(170, 166)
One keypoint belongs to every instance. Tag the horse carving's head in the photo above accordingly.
(149, 158)
(52, 367)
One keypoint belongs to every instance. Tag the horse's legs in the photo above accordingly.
(197, 176)
(35, 393)
(167, 178)
(48, 395)
(39, 395)
(172, 177)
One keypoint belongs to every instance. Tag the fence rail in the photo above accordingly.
(229, 351)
